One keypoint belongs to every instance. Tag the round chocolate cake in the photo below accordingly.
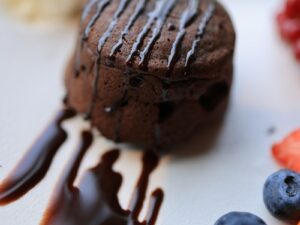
(151, 72)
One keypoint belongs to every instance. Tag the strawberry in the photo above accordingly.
(289, 28)
(287, 153)
(292, 8)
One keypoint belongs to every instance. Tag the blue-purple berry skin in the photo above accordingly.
(282, 195)
(240, 218)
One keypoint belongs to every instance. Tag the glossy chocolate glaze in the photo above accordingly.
(36, 162)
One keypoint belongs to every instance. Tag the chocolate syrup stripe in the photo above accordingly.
(85, 12)
(121, 8)
(101, 5)
(156, 200)
(87, 9)
(140, 7)
(200, 33)
(157, 16)
(95, 200)
(188, 16)
(160, 21)
(150, 162)
(36, 162)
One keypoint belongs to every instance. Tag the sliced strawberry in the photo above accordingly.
(292, 8)
(289, 28)
(297, 49)
(287, 153)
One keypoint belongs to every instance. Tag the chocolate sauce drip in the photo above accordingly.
(65, 100)
(140, 7)
(102, 4)
(121, 8)
(157, 135)
(36, 162)
(157, 17)
(156, 200)
(187, 17)
(165, 90)
(200, 33)
(95, 200)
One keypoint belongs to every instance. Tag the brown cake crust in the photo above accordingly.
(152, 104)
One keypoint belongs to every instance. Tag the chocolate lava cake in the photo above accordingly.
(150, 72)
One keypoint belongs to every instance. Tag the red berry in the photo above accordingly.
(297, 49)
(292, 8)
(287, 153)
(289, 28)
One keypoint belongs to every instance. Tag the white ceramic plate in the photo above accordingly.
(199, 188)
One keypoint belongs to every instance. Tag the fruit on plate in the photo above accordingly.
(282, 194)
(289, 24)
(240, 218)
(287, 152)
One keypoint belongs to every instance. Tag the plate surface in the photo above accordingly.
(235, 158)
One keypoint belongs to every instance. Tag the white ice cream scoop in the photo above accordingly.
(44, 9)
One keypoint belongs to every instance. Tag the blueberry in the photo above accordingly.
(282, 194)
(240, 218)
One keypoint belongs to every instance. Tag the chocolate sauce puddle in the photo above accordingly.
(36, 162)
(95, 200)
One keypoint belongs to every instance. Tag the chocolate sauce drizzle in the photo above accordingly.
(85, 12)
(36, 162)
(160, 21)
(95, 199)
(157, 16)
(87, 9)
(187, 17)
(200, 33)
(101, 5)
(140, 7)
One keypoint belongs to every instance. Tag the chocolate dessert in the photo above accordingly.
(151, 72)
